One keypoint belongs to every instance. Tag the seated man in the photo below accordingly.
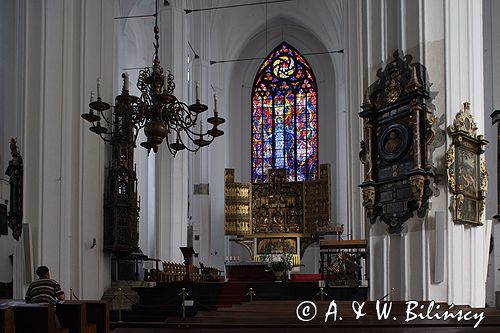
(44, 290)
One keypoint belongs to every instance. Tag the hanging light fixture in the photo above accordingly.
(157, 110)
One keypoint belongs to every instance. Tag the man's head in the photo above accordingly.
(43, 272)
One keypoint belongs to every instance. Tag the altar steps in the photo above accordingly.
(231, 293)
(305, 277)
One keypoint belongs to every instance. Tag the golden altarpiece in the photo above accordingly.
(277, 216)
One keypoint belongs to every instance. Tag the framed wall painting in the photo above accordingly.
(467, 176)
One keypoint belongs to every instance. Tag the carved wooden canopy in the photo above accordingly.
(395, 150)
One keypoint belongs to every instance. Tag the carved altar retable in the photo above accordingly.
(277, 216)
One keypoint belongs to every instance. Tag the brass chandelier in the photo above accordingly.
(157, 110)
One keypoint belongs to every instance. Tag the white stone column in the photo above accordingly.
(171, 173)
(11, 97)
(353, 52)
(491, 33)
(134, 51)
(66, 47)
(209, 162)
(464, 82)
(200, 202)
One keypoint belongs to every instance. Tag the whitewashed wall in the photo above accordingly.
(10, 122)
(62, 47)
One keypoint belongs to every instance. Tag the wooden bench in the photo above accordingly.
(98, 314)
(89, 316)
(36, 318)
(73, 315)
(6, 320)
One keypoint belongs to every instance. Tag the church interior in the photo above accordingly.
(184, 162)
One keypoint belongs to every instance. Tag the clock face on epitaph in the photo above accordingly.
(394, 142)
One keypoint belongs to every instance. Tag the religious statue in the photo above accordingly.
(15, 172)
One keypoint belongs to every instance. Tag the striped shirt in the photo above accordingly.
(43, 291)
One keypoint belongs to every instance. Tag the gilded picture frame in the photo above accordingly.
(467, 176)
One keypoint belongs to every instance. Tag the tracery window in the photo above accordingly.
(284, 117)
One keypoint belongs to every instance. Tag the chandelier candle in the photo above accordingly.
(98, 88)
(125, 82)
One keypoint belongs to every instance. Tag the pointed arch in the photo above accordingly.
(285, 116)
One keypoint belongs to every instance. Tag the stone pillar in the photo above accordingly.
(491, 33)
(63, 49)
(354, 95)
(172, 173)
(10, 121)
(134, 37)
(446, 36)
(209, 162)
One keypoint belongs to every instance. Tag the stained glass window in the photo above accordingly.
(284, 116)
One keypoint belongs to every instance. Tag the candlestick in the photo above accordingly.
(125, 81)
(197, 90)
(215, 103)
(98, 88)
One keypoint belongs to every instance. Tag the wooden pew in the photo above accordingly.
(36, 318)
(91, 315)
(98, 314)
(73, 315)
(6, 320)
